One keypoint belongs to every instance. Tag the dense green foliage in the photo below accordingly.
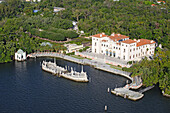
(135, 18)
(54, 34)
(129, 17)
(154, 71)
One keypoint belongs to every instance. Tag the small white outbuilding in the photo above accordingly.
(20, 55)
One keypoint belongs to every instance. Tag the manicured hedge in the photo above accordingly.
(54, 34)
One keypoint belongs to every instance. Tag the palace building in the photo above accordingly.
(121, 47)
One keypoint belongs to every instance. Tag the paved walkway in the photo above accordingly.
(98, 65)
(101, 57)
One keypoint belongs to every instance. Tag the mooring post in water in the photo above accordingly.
(108, 90)
(105, 108)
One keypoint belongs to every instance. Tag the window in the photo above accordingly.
(119, 48)
(136, 48)
(106, 45)
(133, 56)
(139, 47)
(126, 45)
(95, 44)
(102, 44)
(123, 57)
(136, 55)
(139, 54)
(95, 50)
(141, 50)
(97, 39)
(130, 50)
(124, 50)
(116, 47)
(133, 49)
(93, 38)
(122, 44)
(130, 57)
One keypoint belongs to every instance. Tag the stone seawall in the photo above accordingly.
(94, 63)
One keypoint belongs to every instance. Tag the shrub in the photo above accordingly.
(80, 50)
(130, 62)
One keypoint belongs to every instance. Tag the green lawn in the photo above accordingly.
(79, 57)
(75, 56)
(115, 67)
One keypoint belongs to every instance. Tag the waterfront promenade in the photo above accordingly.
(98, 65)
(103, 58)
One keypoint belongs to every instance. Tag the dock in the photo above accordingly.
(126, 93)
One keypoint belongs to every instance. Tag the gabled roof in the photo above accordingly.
(116, 37)
(141, 42)
(100, 35)
(129, 41)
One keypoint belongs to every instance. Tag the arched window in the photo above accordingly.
(106, 52)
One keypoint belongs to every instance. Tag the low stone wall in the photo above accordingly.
(102, 60)
(96, 64)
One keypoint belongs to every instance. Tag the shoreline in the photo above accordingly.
(81, 61)
(165, 95)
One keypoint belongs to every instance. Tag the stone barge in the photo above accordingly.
(52, 67)
(126, 93)
(75, 76)
(62, 72)
(95, 64)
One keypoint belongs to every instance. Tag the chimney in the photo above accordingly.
(103, 33)
(138, 40)
(151, 41)
(134, 39)
(100, 35)
(113, 34)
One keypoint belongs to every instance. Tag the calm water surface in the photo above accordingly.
(24, 87)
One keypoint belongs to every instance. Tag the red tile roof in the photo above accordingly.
(153, 5)
(144, 42)
(160, 1)
(118, 43)
(128, 41)
(104, 40)
(100, 35)
(117, 37)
